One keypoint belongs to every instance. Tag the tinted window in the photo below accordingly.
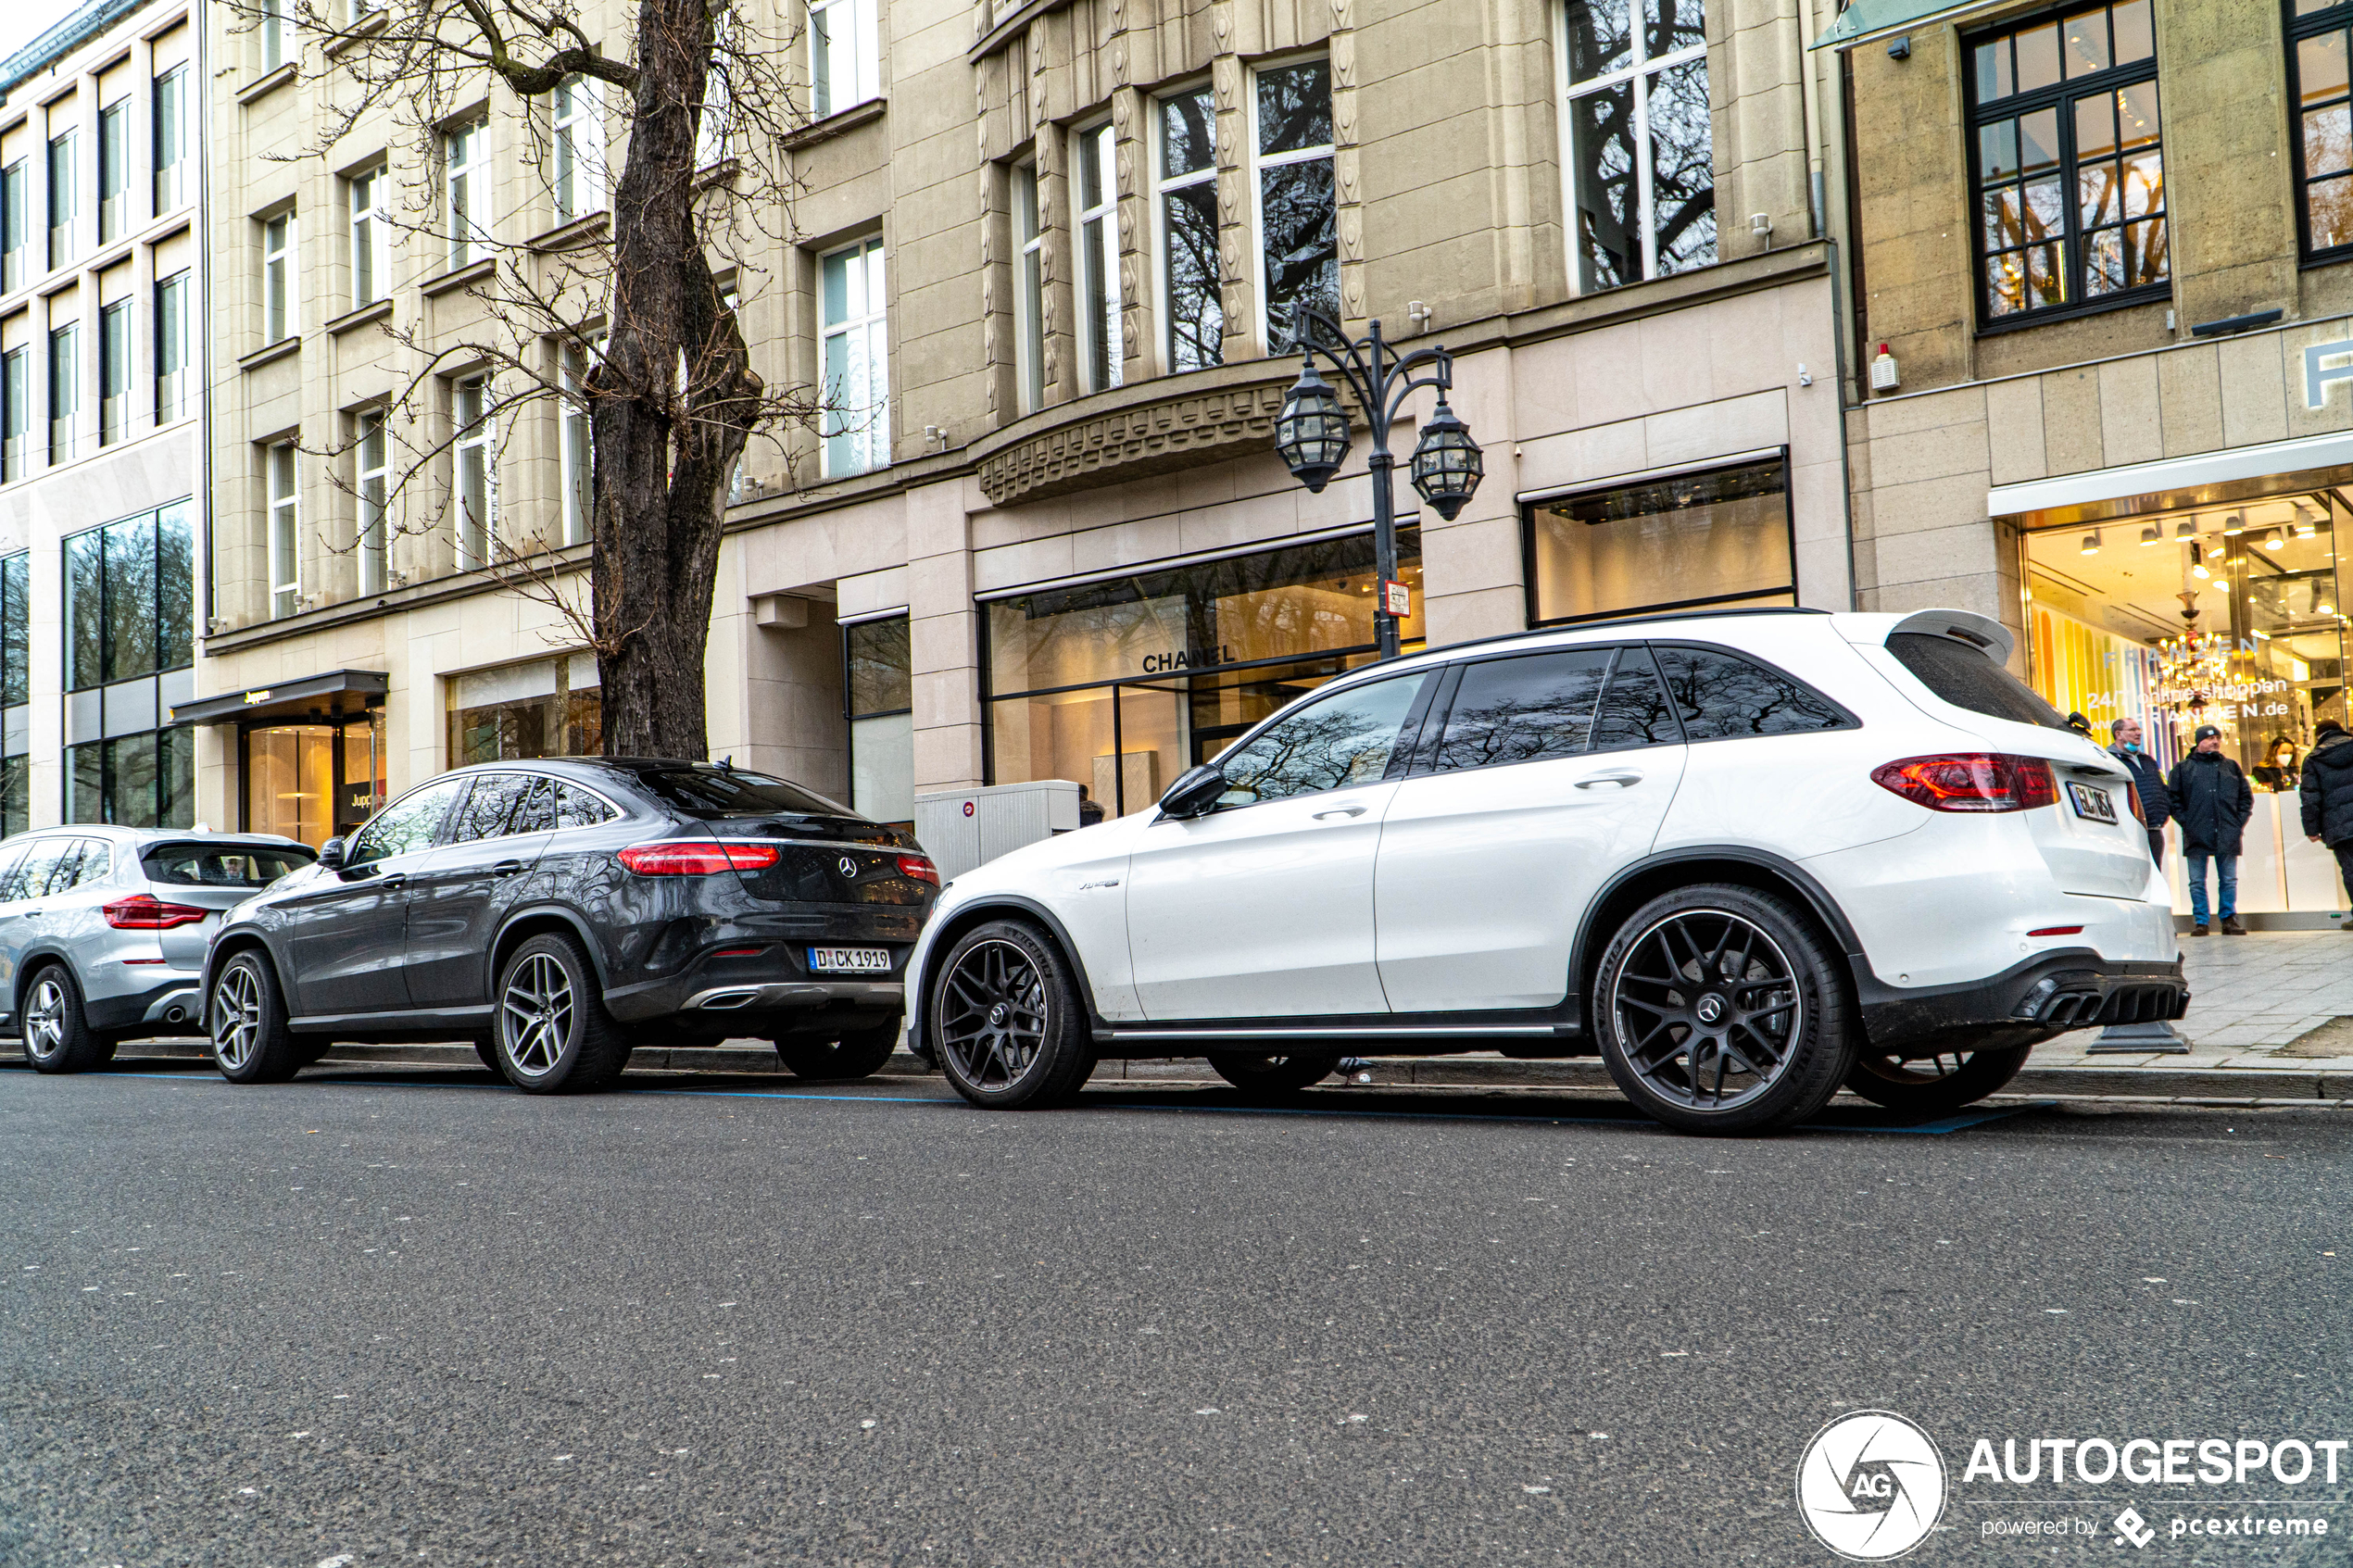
(1721, 694)
(97, 863)
(33, 874)
(575, 808)
(536, 812)
(11, 861)
(1523, 709)
(490, 807)
(1635, 711)
(201, 865)
(713, 793)
(1344, 739)
(406, 825)
(1966, 678)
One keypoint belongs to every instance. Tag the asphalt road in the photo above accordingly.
(378, 1317)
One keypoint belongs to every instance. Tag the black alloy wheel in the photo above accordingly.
(1931, 1084)
(859, 1053)
(1722, 1010)
(1275, 1075)
(58, 1037)
(554, 1034)
(1006, 1020)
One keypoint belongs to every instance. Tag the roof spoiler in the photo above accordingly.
(1982, 633)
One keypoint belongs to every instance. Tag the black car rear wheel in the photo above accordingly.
(859, 1053)
(1006, 1020)
(554, 1034)
(1929, 1086)
(1273, 1074)
(248, 1017)
(58, 1037)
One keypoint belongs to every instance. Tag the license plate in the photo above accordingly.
(2096, 804)
(849, 960)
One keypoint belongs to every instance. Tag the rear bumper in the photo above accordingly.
(2074, 988)
(149, 1011)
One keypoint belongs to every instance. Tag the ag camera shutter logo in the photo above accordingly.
(1870, 1486)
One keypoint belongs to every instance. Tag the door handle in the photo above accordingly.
(1340, 812)
(506, 868)
(393, 880)
(1626, 780)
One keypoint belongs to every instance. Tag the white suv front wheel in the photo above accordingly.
(1721, 1009)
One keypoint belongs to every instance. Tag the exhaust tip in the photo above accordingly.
(723, 1001)
(175, 1015)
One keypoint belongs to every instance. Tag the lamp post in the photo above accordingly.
(1312, 434)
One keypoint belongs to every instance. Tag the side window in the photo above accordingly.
(1344, 739)
(490, 807)
(39, 866)
(406, 825)
(1524, 710)
(11, 862)
(97, 860)
(577, 807)
(536, 812)
(1635, 711)
(1722, 695)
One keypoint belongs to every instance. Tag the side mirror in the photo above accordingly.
(331, 854)
(1195, 791)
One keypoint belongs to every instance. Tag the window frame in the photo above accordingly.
(273, 29)
(1254, 167)
(465, 158)
(871, 253)
(865, 63)
(282, 524)
(1635, 76)
(64, 195)
(16, 411)
(575, 446)
(2297, 29)
(2059, 97)
(371, 249)
(371, 489)
(168, 109)
(114, 169)
(65, 389)
(576, 183)
(172, 387)
(1163, 186)
(16, 228)
(1030, 284)
(160, 640)
(473, 439)
(1731, 464)
(279, 248)
(1101, 317)
(114, 372)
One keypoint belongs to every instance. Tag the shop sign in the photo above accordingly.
(2316, 379)
(1186, 659)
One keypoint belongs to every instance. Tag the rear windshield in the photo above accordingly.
(223, 865)
(715, 792)
(1966, 678)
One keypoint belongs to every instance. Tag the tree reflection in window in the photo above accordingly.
(1346, 738)
(1636, 711)
(1721, 695)
(1189, 229)
(1641, 142)
(1298, 217)
(1524, 710)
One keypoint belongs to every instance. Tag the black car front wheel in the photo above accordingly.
(1932, 1084)
(1006, 1020)
(247, 1023)
(554, 1034)
(58, 1037)
(858, 1053)
(1273, 1074)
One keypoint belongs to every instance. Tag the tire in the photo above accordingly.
(58, 1037)
(1934, 1085)
(858, 1054)
(1273, 1074)
(486, 1048)
(1006, 1021)
(1709, 1037)
(554, 1034)
(245, 1018)
(309, 1049)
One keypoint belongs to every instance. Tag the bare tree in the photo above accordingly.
(626, 317)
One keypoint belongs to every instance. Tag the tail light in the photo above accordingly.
(1970, 781)
(144, 912)
(920, 868)
(2132, 799)
(698, 857)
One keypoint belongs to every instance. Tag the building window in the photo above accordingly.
(477, 470)
(579, 451)
(1640, 156)
(370, 279)
(16, 691)
(548, 708)
(880, 687)
(1096, 182)
(13, 182)
(174, 383)
(465, 152)
(114, 372)
(2318, 51)
(130, 624)
(857, 361)
(1189, 265)
(15, 413)
(273, 34)
(1720, 538)
(2065, 166)
(371, 473)
(282, 479)
(1291, 178)
(114, 169)
(65, 202)
(578, 151)
(65, 391)
(170, 135)
(277, 278)
(845, 54)
(1030, 292)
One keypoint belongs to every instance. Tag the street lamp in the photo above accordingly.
(1312, 435)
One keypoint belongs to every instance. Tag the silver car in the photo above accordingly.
(103, 931)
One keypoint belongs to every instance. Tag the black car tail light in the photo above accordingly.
(698, 857)
(920, 868)
(145, 912)
(1970, 781)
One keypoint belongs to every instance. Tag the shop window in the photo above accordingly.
(856, 427)
(1298, 213)
(548, 708)
(1641, 152)
(1191, 273)
(2067, 164)
(1119, 684)
(1719, 539)
(16, 691)
(845, 54)
(1095, 184)
(879, 683)
(313, 781)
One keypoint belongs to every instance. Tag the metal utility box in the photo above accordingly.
(960, 829)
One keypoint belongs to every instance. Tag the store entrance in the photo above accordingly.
(313, 781)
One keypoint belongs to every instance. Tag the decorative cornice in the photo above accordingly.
(1137, 441)
(862, 113)
(261, 86)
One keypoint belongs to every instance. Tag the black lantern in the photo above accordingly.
(1447, 464)
(1312, 432)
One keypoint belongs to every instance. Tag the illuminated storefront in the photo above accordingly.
(310, 753)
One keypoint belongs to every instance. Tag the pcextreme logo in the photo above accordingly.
(1870, 1486)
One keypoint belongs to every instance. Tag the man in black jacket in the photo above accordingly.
(2326, 795)
(2212, 802)
(2148, 782)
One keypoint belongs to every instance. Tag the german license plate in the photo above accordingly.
(849, 960)
(2095, 805)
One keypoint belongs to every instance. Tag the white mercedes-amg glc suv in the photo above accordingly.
(1745, 858)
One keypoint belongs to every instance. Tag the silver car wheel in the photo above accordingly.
(534, 1015)
(45, 1019)
(236, 1017)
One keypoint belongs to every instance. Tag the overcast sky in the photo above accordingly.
(25, 21)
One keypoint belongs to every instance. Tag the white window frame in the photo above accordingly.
(372, 471)
(465, 153)
(282, 480)
(174, 381)
(273, 34)
(371, 249)
(1164, 185)
(476, 441)
(277, 249)
(1099, 143)
(830, 77)
(577, 148)
(575, 451)
(1030, 287)
(869, 334)
(1254, 164)
(1636, 71)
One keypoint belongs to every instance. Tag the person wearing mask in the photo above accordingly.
(2326, 795)
(2212, 802)
(2276, 772)
(2148, 780)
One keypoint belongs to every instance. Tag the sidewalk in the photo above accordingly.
(2274, 1001)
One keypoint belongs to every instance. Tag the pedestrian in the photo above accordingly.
(2148, 782)
(2212, 802)
(2326, 795)
(1090, 810)
(2276, 772)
